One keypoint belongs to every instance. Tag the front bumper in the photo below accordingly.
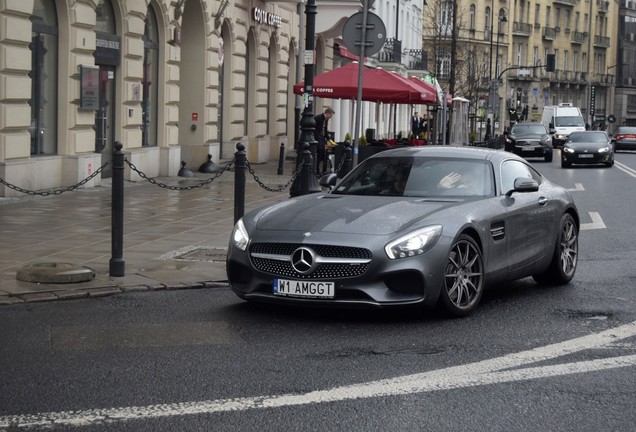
(383, 283)
(587, 158)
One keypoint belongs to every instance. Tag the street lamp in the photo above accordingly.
(502, 19)
(306, 183)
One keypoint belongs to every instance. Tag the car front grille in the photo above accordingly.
(284, 268)
(528, 142)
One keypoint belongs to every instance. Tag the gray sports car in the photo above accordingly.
(427, 225)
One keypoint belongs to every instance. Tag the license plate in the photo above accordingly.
(527, 148)
(300, 288)
(586, 155)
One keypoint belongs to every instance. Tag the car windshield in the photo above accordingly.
(568, 121)
(588, 137)
(419, 177)
(529, 129)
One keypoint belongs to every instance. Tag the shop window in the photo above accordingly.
(43, 102)
(150, 81)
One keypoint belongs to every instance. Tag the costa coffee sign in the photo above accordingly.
(266, 18)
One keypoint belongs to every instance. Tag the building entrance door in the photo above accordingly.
(104, 117)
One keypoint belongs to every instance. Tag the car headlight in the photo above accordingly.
(239, 236)
(414, 243)
(568, 150)
(560, 136)
(604, 150)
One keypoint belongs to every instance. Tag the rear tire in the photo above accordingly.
(565, 256)
(463, 283)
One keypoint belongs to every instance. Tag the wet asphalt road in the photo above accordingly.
(204, 360)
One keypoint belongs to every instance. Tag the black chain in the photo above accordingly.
(178, 188)
(280, 189)
(55, 191)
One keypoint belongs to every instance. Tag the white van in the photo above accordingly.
(561, 120)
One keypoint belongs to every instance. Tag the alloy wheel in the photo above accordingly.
(569, 247)
(464, 275)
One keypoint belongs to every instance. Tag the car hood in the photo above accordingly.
(348, 214)
(589, 147)
(529, 136)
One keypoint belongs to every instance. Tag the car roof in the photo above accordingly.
(464, 152)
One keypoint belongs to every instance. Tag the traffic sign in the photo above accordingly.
(375, 34)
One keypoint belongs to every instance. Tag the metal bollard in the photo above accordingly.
(117, 265)
(281, 159)
(348, 160)
(307, 170)
(240, 164)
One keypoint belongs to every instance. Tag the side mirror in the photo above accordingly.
(524, 185)
(328, 180)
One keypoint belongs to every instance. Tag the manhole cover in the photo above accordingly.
(55, 273)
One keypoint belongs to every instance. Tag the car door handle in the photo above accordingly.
(543, 201)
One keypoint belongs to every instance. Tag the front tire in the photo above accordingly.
(565, 164)
(565, 256)
(548, 157)
(463, 284)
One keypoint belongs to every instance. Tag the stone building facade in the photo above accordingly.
(172, 81)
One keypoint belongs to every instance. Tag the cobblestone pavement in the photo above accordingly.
(172, 239)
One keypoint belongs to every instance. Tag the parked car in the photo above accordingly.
(588, 148)
(625, 138)
(411, 226)
(530, 140)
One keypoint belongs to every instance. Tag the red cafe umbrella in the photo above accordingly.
(426, 88)
(424, 94)
(377, 85)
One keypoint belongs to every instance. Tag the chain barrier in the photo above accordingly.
(267, 188)
(58, 191)
(177, 188)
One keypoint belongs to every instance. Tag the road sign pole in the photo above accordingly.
(356, 144)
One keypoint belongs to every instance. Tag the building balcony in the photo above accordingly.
(578, 37)
(549, 33)
(521, 29)
(391, 52)
(566, 2)
(416, 59)
(601, 41)
(602, 6)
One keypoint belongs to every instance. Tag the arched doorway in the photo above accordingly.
(192, 76)
(44, 77)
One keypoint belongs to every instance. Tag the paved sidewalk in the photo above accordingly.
(172, 239)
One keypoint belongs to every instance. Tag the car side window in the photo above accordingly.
(513, 169)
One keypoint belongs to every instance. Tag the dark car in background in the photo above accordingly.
(409, 226)
(587, 148)
(625, 138)
(529, 139)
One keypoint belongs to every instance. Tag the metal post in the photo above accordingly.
(281, 159)
(348, 161)
(308, 123)
(116, 266)
(240, 164)
(307, 173)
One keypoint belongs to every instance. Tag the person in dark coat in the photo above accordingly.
(322, 136)
(417, 124)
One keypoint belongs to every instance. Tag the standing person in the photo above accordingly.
(322, 127)
(416, 124)
(488, 130)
